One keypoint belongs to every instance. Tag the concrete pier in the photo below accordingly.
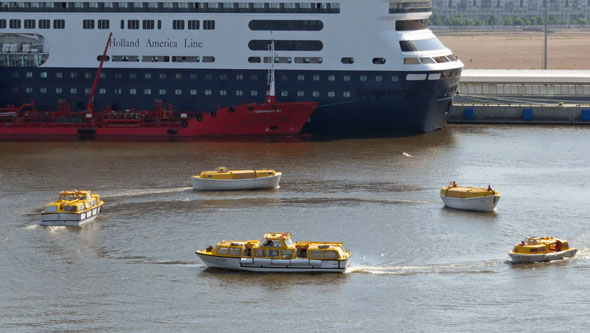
(519, 113)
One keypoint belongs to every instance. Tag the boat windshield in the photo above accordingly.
(67, 197)
(288, 242)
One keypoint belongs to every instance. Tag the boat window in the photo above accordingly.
(233, 251)
(259, 253)
(330, 254)
(80, 207)
(70, 208)
(288, 242)
(222, 250)
(273, 253)
(316, 254)
(50, 209)
(287, 254)
(431, 44)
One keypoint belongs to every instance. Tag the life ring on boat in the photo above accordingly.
(199, 118)
(213, 113)
(558, 246)
(184, 124)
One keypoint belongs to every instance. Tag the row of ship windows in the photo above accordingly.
(223, 7)
(30, 24)
(177, 92)
(397, 7)
(105, 24)
(430, 60)
(193, 76)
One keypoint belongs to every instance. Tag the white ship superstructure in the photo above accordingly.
(373, 65)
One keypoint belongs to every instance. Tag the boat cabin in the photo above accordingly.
(279, 246)
(533, 245)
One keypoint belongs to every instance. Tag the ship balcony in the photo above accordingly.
(409, 6)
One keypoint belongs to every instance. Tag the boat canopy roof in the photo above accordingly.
(277, 236)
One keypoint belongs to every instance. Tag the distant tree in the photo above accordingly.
(581, 20)
(435, 20)
(518, 21)
(492, 20)
(551, 19)
(507, 20)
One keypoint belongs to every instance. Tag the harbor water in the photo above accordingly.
(416, 265)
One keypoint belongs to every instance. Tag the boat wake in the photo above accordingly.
(138, 192)
(459, 268)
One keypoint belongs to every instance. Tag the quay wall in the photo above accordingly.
(519, 114)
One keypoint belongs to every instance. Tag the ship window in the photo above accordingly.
(43, 90)
(186, 59)
(254, 77)
(435, 76)
(316, 94)
(28, 90)
(346, 94)
(29, 24)
(395, 78)
(73, 91)
(286, 25)
(43, 75)
(59, 24)
(286, 45)
(452, 57)
(208, 92)
(133, 76)
(378, 78)
(43, 24)
(87, 92)
(347, 60)
(193, 92)
(162, 91)
(208, 25)
(346, 78)
(411, 61)
(300, 93)
(441, 59)
(315, 254)
(178, 24)
(29, 74)
(163, 76)
(193, 24)
(331, 255)
(254, 60)
(407, 25)
(287, 254)
(133, 24)
(2, 24)
(378, 61)
(14, 24)
(159, 24)
(132, 91)
(147, 91)
(102, 91)
(316, 77)
(99, 58)
(239, 93)
(118, 91)
(222, 92)
(88, 24)
(122, 24)
(259, 253)
(415, 77)
(363, 78)
(239, 77)
(59, 75)
(284, 93)
(427, 60)
(148, 24)
(254, 93)
(222, 76)
(331, 78)
(273, 253)
(234, 251)
(208, 76)
(193, 76)
(222, 250)
(208, 59)
(147, 76)
(431, 44)
(301, 77)
(178, 76)
(331, 94)
(284, 78)
(103, 24)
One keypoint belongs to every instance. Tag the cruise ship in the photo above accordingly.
(373, 66)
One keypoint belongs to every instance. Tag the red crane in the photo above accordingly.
(91, 99)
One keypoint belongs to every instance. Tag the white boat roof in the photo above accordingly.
(525, 76)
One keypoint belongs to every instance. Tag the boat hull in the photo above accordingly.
(205, 184)
(274, 265)
(70, 219)
(482, 204)
(529, 258)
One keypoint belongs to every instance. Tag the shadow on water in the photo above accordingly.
(272, 280)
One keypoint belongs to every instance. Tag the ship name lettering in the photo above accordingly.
(161, 43)
(122, 42)
(192, 43)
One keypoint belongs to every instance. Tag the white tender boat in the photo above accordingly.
(277, 253)
(469, 198)
(223, 179)
(73, 208)
(534, 249)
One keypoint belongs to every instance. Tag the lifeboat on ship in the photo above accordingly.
(73, 208)
(469, 198)
(533, 249)
(224, 179)
(276, 252)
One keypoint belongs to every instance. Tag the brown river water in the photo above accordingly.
(416, 265)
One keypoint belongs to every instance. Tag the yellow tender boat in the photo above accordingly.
(73, 208)
(224, 179)
(469, 198)
(277, 253)
(534, 249)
